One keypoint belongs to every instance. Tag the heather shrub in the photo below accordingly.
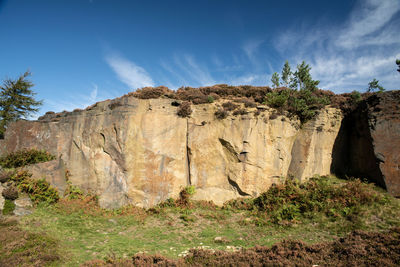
(152, 92)
(5, 176)
(184, 110)
(229, 106)
(239, 112)
(221, 114)
(10, 192)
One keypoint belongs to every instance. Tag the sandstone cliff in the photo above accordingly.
(135, 151)
(368, 143)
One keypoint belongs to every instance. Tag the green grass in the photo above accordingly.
(83, 231)
(172, 230)
(9, 207)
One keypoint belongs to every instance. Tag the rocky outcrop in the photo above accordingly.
(131, 151)
(368, 144)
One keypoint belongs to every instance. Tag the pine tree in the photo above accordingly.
(373, 85)
(275, 80)
(286, 74)
(16, 100)
(302, 78)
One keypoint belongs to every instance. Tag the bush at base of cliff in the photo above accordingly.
(38, 190)
(292, 201)
(25, 157)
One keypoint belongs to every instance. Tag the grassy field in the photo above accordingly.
(79, 231)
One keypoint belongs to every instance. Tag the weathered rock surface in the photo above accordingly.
(368, 145)
(244, 155)
(23, 206)
(2, 199)
(140, 152)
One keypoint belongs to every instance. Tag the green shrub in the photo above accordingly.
(277, 99)
(356, 96)
(191, 189)
(73, 192)
(25, 157)
(9, 207)
(303, 103)
(293, 200)
(38, 190)
(210, 99)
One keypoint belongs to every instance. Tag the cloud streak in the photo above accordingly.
(347, 57)
(371, 17)
(128, 72)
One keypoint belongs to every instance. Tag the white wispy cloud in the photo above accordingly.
(348, 56)
(370, 17)
(187, 71)
(251, 47)
(246, 79)
(128, 72)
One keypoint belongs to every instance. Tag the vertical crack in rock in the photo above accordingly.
(117, 138)
(76, 144)
(237, 188)
(231, 150)
(188, 154)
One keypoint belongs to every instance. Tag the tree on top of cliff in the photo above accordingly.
(275, 80)
(286, 73)
(16, 100)
(373, 85)
(302, 78)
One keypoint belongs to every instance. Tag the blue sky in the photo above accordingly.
(80, 52)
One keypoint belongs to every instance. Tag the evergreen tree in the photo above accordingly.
(275, 80)
(373, 85)
(398, 64)
(286, 74)
(302, 78)
(16, 100)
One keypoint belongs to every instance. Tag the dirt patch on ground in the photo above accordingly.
(356, 249)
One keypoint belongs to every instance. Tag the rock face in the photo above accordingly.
(2, 199)
(368, 144)
(131, 151)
